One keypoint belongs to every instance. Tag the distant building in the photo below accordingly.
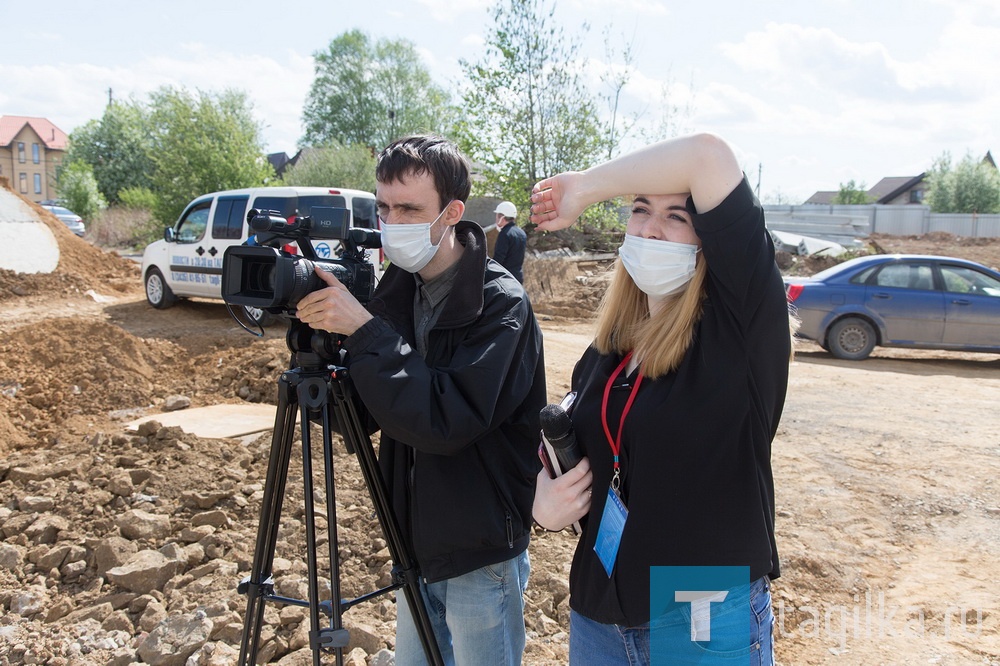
(31, 149)
(889, 190)
(281, 161)
(893, 190)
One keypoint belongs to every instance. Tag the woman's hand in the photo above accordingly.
(562, 501)
(556, 202)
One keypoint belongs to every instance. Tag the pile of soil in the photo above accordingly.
(120, 547)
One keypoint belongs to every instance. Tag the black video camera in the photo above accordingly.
(263, 275)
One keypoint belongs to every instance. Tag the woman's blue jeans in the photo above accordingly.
(478, 617)
(614, 645)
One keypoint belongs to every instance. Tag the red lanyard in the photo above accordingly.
(616, 443)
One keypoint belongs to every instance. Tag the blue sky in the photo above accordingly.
(812, 94)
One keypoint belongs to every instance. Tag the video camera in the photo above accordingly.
(262, 274)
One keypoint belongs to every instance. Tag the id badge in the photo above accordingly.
(609, 534)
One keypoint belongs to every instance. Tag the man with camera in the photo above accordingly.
(447, 358)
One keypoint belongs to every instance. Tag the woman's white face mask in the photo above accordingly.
(657, 267)
(409, 246)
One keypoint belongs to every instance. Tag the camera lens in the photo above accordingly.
(260, 277)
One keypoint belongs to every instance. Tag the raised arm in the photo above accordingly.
(703, 165)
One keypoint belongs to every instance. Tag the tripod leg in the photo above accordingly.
(356, 437)
(313, 395)
(259, 583)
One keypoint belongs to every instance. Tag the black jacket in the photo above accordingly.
(509, 250)
(459, 428)
(696, 446)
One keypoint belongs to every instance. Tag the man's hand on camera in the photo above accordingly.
(333, 309)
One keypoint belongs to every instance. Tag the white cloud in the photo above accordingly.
(449, 10)
(642, 8)
(79, 92)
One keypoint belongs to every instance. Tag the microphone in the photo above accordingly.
(557, 431)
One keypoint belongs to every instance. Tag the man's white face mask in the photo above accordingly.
(658, 267)
(409, 246)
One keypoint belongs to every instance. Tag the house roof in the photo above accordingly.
(53, 137)
(821, 197)
(889, 188)
(882, 192)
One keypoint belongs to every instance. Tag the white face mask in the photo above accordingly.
(409, 246)
(658, 267)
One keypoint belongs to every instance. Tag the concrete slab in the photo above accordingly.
(215, 421)
(27, 245)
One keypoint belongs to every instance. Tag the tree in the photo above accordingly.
(529, 113)
(78, 187)
(203, 143)
(117, 147)
(371, 94)
(972, 186)
(334, 165)
(851, 193)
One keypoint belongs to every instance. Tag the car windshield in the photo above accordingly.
(61, 211)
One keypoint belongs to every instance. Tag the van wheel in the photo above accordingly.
(259, 316)
(158, 293)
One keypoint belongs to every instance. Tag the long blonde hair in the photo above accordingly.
(660, 340)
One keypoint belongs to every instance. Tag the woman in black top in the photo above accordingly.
(676, 403)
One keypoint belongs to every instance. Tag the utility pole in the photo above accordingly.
(109, 96)
(760, 167)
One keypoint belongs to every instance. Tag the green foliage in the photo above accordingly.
(529, 113)
(972, 186)
(370, 94)
(851, 193)
(117, 147)
(78, 187)
(141, 198)
(203, 143)
(334, 165)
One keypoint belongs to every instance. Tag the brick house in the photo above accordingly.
(31, 149)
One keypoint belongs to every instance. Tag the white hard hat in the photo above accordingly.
(506, 209)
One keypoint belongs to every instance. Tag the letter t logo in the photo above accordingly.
(701, 610)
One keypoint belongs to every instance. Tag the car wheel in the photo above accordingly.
(852, 339)
(158, 293)
(259, 316)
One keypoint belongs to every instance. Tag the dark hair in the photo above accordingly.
(427, 153)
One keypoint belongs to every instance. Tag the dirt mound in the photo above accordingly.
(119, 548)
(82, 266)
(567, 286)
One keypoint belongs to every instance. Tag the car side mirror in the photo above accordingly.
(169, 235)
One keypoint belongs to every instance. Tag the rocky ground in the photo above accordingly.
(122, 547)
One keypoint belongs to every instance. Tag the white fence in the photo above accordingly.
(904, 220)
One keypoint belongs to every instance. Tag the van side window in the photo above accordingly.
(229, 217)
(364, 213)
(192, 226)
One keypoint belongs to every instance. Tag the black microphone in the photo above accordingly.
(557, 428)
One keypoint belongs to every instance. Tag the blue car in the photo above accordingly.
(899, 300)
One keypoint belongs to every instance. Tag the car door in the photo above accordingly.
(228, 228)
(972, 307)
(188, 249)
(902, 295)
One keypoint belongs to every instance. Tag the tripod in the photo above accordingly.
(323, 391)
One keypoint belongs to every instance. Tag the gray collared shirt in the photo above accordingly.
(428, 302)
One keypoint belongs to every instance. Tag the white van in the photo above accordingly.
(188, 261)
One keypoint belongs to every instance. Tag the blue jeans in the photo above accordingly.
(478, 617)
(614, 645)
